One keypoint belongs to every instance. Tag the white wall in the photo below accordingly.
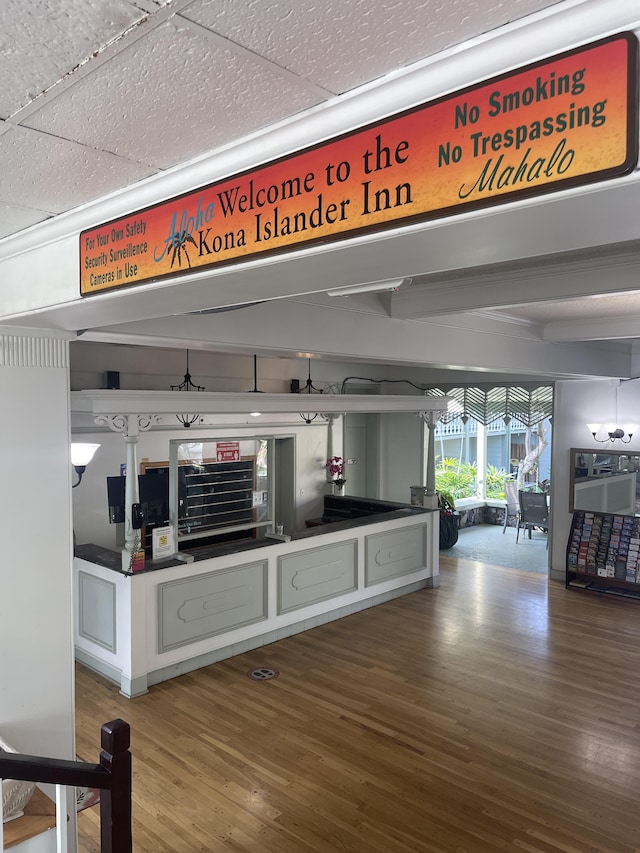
(401, 456)
(576, 404)
(156, 369)
(36, 639)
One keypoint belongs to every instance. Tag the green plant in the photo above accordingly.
(458, 479)
(494, 485)
(446, 504)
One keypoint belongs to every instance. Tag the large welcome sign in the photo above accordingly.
(562, 122)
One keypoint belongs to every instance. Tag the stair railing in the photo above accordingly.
(112, 776)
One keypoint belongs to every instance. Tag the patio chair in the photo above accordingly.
(512, 509)
(534, 512)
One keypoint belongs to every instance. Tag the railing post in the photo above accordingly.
(115, 803)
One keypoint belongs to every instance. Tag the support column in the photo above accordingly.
(130, 426)
(430, 500)
(331, 419)
(481, 460)
(36, 622)
(131, 494)
(431, 419)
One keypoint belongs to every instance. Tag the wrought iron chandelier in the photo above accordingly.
(187, 385)
(309, 388)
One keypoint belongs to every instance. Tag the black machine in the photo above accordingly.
(153, 488)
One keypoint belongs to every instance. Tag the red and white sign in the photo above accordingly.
(228, 451)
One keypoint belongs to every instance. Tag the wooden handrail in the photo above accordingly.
(112, 776)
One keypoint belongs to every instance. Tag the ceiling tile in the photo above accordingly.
(53, 175)
(342, 45)
(43, 40)
(15, 218)
(173, 95)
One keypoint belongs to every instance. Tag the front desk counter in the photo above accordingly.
(172, 617)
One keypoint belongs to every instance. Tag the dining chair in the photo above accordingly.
(512, 509)
(534, 512)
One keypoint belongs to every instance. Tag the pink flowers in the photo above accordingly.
(335, 467)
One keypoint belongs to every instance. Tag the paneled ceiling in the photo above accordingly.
(99, 95)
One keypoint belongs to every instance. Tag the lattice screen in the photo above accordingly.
(529, 404)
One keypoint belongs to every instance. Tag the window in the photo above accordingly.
(491, 434)
(456, 458)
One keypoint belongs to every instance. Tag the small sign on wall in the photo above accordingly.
(228, 451)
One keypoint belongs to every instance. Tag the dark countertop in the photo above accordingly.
(350, 523)
(109, 559)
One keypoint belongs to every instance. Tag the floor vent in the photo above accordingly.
(264, 673)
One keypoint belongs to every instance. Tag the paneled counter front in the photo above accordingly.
(141, 629)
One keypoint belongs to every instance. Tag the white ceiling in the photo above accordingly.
(99, 95)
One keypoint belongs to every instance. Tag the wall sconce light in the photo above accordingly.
(81, 455)
(614, 432)
(623, 434)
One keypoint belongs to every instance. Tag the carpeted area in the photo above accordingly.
(487, 543)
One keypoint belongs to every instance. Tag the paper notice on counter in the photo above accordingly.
(162, 543)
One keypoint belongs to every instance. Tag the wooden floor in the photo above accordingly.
(497, 713)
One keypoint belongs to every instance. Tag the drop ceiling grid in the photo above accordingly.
(340, 45)
(14, 217)
(143, 85)
(42, 41)
(52, 174)
(169, 97)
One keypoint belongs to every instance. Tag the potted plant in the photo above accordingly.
(448, 520)
(335, 471)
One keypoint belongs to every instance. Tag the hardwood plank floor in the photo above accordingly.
(497, 713)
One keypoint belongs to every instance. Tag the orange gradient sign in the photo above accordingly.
(566, 121)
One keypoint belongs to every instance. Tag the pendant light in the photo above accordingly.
(309, 388)
(255, 390)
(187, 385)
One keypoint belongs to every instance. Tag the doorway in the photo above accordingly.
(360, 441)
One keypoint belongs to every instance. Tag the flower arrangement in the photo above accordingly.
(335, 471)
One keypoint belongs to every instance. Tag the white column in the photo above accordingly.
(431, 419)
(331, 444)
(130, 426)
(481, 460)
(131, 492)
(36, 634)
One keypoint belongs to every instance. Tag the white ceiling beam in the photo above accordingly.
(607, 328)
(98, 402)
(615, 271)
(291, 328)
(448, 251)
